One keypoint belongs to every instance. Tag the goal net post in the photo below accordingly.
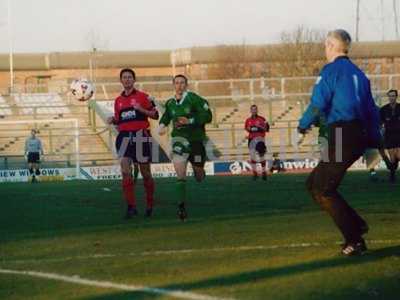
(59, 137)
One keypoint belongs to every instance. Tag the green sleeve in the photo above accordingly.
(323, 128)
(166, 117)
(203, 114)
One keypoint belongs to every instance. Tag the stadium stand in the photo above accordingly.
(280, 100)
(58, 138)
(41, 103)
(5, 109)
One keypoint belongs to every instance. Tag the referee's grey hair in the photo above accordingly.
(343, 37)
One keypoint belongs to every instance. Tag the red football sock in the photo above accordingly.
(149, 187)
(263, 167)
(254, 168)
(128, 190)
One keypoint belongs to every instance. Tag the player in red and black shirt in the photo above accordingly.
(134, 143)
(257, 127)
(390, 118)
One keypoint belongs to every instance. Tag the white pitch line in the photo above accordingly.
(111, 285)
(223, 249)
(167, 252)
(188, 251)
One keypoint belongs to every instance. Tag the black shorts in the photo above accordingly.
(392, 140)
(328, 174)
(257, 144)
(197, 156)
(136, 145)
(33, 157)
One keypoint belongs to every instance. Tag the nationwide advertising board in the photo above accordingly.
(244, 167)
(165, 170)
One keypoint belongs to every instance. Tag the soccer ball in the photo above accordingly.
(82, 89)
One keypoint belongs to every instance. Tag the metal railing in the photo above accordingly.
(236, 89)
(294, 90)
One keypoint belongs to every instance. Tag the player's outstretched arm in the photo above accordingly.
(153, 108)
(151, 113)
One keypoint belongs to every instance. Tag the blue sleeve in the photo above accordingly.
(320, 100)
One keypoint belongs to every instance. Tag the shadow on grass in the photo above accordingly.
(52, 229)
(73, 208)
(50, 210)
(262, 274)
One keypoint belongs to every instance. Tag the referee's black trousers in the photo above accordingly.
(346, 144)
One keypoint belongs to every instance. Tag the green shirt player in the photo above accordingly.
(188, 113)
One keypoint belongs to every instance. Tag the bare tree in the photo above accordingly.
(299, 54)
(235, 61)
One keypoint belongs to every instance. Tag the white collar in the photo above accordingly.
(183, 98)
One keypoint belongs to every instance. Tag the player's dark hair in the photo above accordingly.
(128, 70)
(253, 105)
(392, 91)
(181, 76)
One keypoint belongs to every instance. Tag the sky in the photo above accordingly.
(79, 25)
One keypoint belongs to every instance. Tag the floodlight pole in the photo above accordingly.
(10, 40)
(383, 20)
(173, 62)
(396, 23)
(357, 20)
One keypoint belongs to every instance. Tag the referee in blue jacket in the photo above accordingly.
(341, 96)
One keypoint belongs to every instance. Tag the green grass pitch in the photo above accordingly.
(243, 240)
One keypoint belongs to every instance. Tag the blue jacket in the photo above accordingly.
(343, 93)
